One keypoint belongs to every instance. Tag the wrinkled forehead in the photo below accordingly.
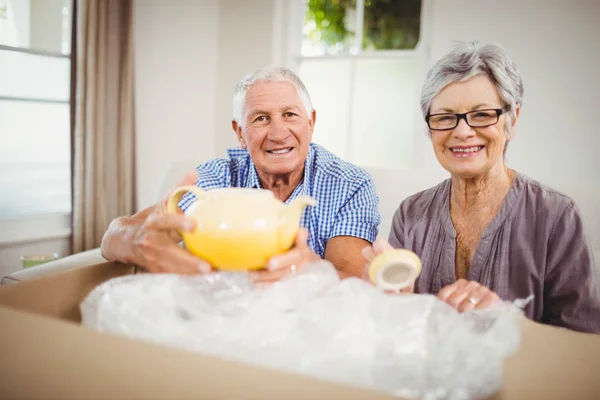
(272, 96)
(466, 94)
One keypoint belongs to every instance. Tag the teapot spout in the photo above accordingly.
(290, 220)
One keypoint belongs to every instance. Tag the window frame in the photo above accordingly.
(38, 227)
(287, 51)
(298, 12)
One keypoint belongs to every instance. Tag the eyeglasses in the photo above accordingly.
(475, 119)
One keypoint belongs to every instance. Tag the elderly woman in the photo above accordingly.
(489, 232)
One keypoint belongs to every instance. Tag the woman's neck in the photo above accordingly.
(483, 192)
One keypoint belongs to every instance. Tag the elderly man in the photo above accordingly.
(273, 119)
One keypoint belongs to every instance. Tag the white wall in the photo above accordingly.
(555, 46)
(176, 75)
(36, 235)
(244, 44)
(46, 25)
(191, 54)
(21, 10)
(11, 254)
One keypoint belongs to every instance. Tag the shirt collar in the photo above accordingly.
(308, 167)
(252, 180)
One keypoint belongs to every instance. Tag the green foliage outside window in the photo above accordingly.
(388, 24)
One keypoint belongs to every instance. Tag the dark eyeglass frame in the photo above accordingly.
(499, 112)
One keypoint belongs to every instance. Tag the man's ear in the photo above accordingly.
(311, 122)
(237, 128)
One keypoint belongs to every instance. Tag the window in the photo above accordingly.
(35, 149)
(359, 61)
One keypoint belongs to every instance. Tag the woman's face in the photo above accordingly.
(465, 151)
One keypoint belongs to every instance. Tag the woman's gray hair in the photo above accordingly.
(467, 60)
(269, 74)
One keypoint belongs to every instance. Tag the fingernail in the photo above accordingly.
(204, 268)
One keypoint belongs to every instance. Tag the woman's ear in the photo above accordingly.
(513, 123)
(237, 128)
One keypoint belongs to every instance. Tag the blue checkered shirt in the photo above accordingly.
(347, 204)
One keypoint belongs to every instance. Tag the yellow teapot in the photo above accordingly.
(239, 229)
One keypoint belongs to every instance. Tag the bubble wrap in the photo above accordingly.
(413, 346)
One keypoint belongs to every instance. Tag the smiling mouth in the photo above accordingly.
(280, 151)
(466, 150)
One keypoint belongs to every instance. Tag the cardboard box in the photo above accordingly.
(45, 353)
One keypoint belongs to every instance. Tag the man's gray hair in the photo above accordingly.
(269, 74)
(467, 60)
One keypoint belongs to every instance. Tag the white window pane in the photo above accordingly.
(36, 24)
(34, 132)
(35, 159)
(329, 28)
(328, 83)
(15, 22)
(34, 76)
(332, 26)
(385, 104)
(392, 25)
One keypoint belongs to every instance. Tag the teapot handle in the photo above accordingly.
(176, 195)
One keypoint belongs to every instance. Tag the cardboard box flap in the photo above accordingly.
(553, 363)
(47, 358)
(42, 357)
(59, 295)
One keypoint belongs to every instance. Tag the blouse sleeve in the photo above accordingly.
(571, 297)
(396, 237)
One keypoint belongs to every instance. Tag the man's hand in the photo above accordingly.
(155, 245)
(150, 239)
(299, 256)
(464, 295)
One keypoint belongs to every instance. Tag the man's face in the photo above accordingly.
(276, 128)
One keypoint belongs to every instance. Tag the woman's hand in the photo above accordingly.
(465, 296)
(299, 256)
(370, 252)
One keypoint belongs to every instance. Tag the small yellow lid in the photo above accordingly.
(394, 269)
